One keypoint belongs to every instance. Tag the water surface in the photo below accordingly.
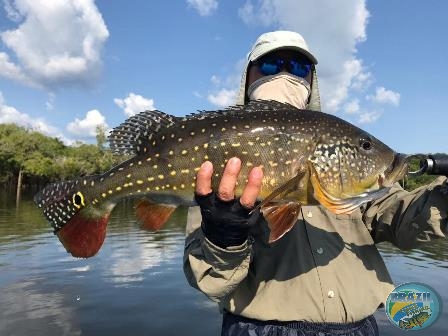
(135, 284)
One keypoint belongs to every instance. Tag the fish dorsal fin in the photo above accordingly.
(254, 107)
(134, 136)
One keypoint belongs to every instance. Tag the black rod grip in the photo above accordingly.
(436, 164)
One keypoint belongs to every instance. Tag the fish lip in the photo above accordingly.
(396, 171)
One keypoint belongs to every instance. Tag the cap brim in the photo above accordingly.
(263, 51)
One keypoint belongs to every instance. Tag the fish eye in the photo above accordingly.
(365, 143)
(78, 199)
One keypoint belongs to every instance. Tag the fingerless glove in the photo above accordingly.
(225, 223)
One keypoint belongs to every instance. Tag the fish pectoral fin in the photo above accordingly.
(286, 188)
(281, 217)
(153, 215)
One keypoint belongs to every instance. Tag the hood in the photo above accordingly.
(281, 40)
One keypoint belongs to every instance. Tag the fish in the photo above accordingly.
(308, 157)
(416, 320)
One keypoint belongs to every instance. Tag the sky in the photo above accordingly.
(68, 66)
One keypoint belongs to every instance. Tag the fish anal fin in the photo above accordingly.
(82, 237)
(281, 217)
(153, 215)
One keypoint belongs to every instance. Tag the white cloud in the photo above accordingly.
(383, 96)
(204, 7)
(253, 15)
(10, 70)
(334, 42)
(49, 104)
(225, 89)
(11, 12)
(223, 97)
(215, 80)
(134, 103)
(369, 117)
(352, 107)
(10, 115)
(58, 42)
(197, 94)
(87, 127)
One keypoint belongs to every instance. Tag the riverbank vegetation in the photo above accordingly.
(29, 159)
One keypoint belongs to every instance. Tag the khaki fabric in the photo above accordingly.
(326, 269)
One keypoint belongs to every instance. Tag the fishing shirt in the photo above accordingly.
(326, 269)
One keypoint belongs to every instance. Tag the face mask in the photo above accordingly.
(281, 87)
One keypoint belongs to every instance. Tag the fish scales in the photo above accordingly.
(266, 138)
(307, 157)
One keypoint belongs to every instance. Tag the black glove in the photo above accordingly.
(225, 223)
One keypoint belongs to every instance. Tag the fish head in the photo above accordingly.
(79, 224)
(355, 164)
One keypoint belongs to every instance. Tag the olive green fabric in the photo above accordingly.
(326, 269)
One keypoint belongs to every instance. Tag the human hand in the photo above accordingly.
(226, 220)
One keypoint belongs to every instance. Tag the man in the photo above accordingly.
(323, 277)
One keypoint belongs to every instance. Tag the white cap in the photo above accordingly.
(280, 39)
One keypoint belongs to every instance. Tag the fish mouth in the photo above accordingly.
(396, 171)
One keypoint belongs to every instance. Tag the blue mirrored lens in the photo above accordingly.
(270, 67)
(274, 66)
(299, 69)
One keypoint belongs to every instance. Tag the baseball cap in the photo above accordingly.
(280, 39)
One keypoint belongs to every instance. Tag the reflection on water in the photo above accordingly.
(135, 285)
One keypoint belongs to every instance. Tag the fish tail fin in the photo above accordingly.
(79, 224)
(153, 215)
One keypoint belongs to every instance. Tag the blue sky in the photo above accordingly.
(67, 66)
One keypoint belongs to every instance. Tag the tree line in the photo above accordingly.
(31, 159)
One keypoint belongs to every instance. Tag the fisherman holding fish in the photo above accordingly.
(323, 275)
(302, 259)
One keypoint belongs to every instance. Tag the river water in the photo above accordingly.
(135, 284)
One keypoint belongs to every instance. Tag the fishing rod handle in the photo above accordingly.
(435, 164)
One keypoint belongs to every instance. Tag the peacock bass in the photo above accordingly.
(308, 157)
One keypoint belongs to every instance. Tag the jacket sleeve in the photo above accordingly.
(213, 270)
(407, 219)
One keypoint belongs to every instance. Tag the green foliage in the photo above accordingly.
(413, 182)
(43, 159)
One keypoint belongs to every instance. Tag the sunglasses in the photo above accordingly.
(273, 65)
